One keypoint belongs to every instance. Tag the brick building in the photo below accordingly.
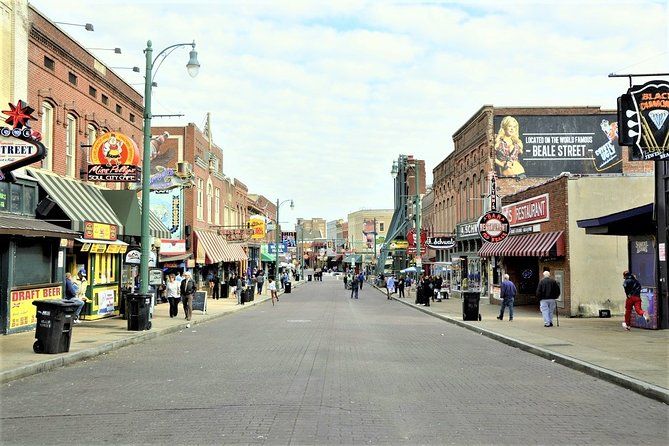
(524, 147)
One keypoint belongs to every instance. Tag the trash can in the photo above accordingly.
(309, 277)
(122, 309)
(287, 287)
(252, 292)
(224, 290)
(470, 306)
(138, 307)
(53, 330)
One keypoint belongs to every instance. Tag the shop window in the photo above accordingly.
(217, 207)
(38, 255)
(210, 198)
(70, 144)
(105, 269)
(200, 199)
(92, 135)
(15, 199)
(49, 63)
(29, 199)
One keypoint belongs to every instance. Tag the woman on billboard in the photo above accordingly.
(508, 149)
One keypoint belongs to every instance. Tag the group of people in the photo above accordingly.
(355, 281)
(548, 291)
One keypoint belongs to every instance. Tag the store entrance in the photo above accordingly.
(524, 272)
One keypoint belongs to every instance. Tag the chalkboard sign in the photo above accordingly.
(200, 301)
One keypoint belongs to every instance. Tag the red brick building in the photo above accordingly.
(549, 141)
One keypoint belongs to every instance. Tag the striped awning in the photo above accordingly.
(542, 244)
(80, 201)
(213, 248)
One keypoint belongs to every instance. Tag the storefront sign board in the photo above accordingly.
(22, 311)
(493, 227)
(19, 145)
(114, 158)
(440, 242)
(100, 231)
(643, 113)
(466, 231)
(532, 210)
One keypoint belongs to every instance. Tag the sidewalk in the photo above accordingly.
(94, 338)
(636, 359)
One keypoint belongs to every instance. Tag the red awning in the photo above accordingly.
(542, 244)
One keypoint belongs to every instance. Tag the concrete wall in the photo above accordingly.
(597, 261)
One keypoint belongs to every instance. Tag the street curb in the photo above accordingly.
(141, 336)
(643, 388)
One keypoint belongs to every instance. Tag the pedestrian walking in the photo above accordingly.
(361, 279)
(187, 290)
(390, 286)
(260, 280)
(216, 285)
(354, 288)
(427, 292)
(239, 287)
(547, 291)
(400, 286)
(345, 281)
(632, 289)
(507, 294)
(272, 290)
(172, 293)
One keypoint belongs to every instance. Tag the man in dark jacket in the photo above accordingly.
(507, 294)
(547, 291)
(187, 289)
(633, 291)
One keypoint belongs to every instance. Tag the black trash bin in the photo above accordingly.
(121, 305)
(287, 288)
(138, 307)
(470, 306)
(224, 290)
(252, 292)
(309, 277)
(53, 330)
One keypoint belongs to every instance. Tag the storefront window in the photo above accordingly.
(29, 193)
(105, 268)
(38, 255)
(15, 198)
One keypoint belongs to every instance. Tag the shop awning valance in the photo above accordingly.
(80, 201)
(31, 227)
(542, 244)
(176, 258)
(634, 221)
(235, 252)
(265, 257)
(128, 209)
(215, 248)
(102, 242)
(357, 258)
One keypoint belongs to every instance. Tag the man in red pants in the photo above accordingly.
(632, 290)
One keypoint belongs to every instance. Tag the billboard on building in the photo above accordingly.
(546, 146)
(368, 231)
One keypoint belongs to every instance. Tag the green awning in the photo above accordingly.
(80, 201)
(265, 257)
(128, 208)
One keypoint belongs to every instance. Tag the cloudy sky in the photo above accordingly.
(313, 100)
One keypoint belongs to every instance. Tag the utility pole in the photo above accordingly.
(417, 216)
(374, 257)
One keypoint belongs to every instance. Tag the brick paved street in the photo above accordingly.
(320, 368)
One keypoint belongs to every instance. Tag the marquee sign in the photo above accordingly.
(19, 145)
(114, 158)
(642, 114)
(258, 226)
(530, 211)
(493, 226)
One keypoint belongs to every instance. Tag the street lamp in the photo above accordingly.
(87, 26)
(193, 66)
(115, 50)
(278, 235)
(134, 69)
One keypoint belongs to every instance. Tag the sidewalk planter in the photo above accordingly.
(138, 307)
(470, 306)
(53, 330)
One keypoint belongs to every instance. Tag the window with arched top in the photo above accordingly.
(217, 207)
(200, 199)
(70, 145)
(210, 201)
(47, 134)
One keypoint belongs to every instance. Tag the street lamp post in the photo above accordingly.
(278, 235)
(417, 216)
(193, 66)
